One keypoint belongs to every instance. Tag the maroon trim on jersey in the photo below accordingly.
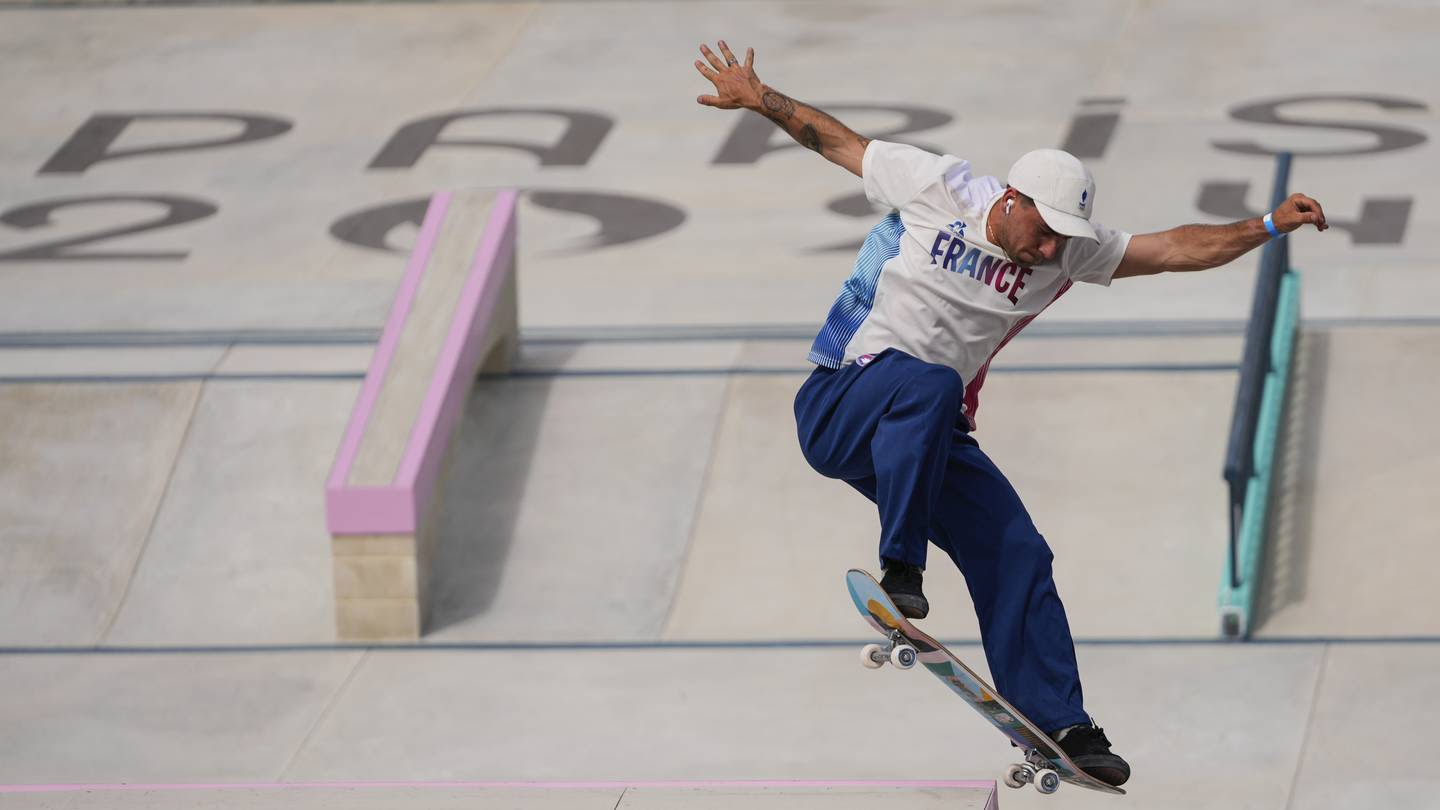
(972, 391)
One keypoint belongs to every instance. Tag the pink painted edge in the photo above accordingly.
(390, 338)
(800, 783)
(339, 510)
(460, 357)
(370, 510)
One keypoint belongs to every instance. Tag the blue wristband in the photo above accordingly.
(1270, 226)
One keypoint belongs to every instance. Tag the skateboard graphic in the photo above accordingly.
(1045, 765)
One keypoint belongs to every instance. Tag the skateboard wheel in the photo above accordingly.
(1016, 776)
(872, 656)
(903, 656)
(1048, 783)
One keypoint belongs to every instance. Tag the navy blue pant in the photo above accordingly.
(893, 430)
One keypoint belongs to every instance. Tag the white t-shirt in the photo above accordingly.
(929, 283)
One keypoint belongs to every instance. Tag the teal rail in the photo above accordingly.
(1242, 566)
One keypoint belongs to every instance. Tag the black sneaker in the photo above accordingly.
(902, 582)
(1087, 746)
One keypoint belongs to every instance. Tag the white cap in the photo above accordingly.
(1061, 187)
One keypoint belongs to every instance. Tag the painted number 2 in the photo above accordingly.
(177, 211)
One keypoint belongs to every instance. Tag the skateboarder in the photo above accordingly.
(960, 265)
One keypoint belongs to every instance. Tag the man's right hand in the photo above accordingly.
(736, 84)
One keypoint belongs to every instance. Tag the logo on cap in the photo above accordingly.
(1083, 194)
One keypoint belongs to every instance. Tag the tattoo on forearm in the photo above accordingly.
(809, 138)
(807, 125)
(778, 106)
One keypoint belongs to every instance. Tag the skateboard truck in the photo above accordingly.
(1036, 770)
(896, 650)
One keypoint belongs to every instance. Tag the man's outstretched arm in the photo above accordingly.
(736, 86)
(1201, 247)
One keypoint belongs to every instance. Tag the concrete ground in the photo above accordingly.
(640, 578)
(537, 796)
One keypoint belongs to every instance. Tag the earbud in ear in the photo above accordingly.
(1008, 205)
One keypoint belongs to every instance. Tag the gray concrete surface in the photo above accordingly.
(693, 796)
(239, 553)
(1357, 519)
(625, 489)
(549, 529)
(1363, 686)
(1203, 725)
(85, 469)
(114, 718)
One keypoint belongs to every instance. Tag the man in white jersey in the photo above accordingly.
(959, 266)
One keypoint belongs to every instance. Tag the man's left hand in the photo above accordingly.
(1298, 210)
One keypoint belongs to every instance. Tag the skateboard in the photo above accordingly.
(1045, 765)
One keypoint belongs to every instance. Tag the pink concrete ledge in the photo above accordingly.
(395, 508)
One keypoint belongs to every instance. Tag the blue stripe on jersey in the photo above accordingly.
(856, 298)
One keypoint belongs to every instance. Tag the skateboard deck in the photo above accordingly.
(1041, 752)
